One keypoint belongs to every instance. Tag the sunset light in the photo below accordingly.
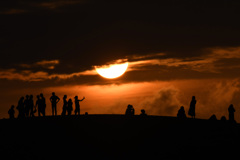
(113, 70)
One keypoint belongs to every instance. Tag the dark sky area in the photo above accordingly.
(43, 42)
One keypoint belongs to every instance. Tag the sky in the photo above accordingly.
(176, 49)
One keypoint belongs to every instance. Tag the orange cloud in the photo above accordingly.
(47, 64)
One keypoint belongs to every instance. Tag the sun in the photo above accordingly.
(113, 70)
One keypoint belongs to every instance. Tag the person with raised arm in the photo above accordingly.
(77, 105)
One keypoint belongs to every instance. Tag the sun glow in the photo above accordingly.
(113, 70)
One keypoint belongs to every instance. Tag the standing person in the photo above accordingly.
(65, 105)
(77, 105)
(181, 113)
(38, 105)
(231, 111)
(20, 108)
(31, 106)
(42, 104)
(11, 112)
(191, 111)
(27, 106)
(54, 100)
(70, 108)
(130, 110)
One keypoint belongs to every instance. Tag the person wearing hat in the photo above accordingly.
(77, 105)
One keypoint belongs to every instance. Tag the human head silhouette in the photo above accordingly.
(142, 111)
(27, 96)
(76, 97)
(12, 106)
(193, 97)
(38, 96)
(41, 95)
(53, 93)
(65, 96)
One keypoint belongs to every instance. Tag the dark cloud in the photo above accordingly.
(85, 33)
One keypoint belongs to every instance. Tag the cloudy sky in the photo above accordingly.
(175, 49)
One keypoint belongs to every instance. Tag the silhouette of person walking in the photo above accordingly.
(27, 106)
(11, 112)
(77, 105)
(42, 104)
(69, 107)
(54, 100)
(64, 109)
(20, 108)
(231, 111)
(130, 110)
(181, 113)
(191, 111)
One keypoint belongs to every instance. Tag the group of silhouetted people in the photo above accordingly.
(26, 107)
(68, 105)
(191, 112)
(130, 111)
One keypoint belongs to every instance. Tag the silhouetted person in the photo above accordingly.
(191, 111)
(11, 112)
(27, 106)
(77, 105)
(143, 113)
(69, 106)
(20, 108)
(130, 110)
(223, 119)
(181, 113)
(31, 105)
(231, 111)
(54, 100)
(65, 105)
(42, 104)
(38, 105)
(213, 118)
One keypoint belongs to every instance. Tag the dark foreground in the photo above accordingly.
(118, 137)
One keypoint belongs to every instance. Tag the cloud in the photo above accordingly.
(214, 60)
(219, 62)
(228, 52)
(47, 64)
(165, 102)
(26, 6)
(58, 3)
(28, 75)
(13, 11)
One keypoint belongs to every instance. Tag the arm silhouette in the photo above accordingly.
(82, 99)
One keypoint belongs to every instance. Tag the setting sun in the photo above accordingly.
(113, 70)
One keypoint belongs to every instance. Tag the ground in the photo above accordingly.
(118, 137)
